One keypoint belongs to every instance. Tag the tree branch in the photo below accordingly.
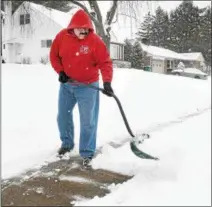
(80, 5)
(132, 9)
(111, 13)
(95, 6)
(115, 19)
(130, 16)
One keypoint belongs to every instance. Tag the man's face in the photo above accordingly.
(81, 32)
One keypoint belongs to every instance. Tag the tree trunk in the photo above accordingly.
(107, 42)
(106, 38)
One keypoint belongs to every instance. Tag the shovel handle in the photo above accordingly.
(117, 101)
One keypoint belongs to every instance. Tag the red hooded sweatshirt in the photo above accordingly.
(81, 59)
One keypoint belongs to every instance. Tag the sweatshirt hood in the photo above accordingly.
(80, 20)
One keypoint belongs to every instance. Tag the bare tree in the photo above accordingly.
(102, 28)
(128, 8)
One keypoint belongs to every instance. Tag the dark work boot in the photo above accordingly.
(62, 151)
(86, 162)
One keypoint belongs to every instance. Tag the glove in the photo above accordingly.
(63, 78)
(107, 89)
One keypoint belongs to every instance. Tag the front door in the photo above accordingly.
(18, 52)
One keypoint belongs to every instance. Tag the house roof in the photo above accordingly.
(162, 53)
(61, 18)
(193, 56)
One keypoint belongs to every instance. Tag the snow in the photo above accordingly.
(162, 53)
(193, 55)
(190, 70)
(178, 179)
(75, 179)
(194, 70)
(62, 18)
(181, 65)
(176, 111)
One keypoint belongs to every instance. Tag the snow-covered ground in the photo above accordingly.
(176, 111)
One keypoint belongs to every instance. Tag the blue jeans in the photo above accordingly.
(88, 104)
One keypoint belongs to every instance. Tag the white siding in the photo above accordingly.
(116, 51)
(26, 39)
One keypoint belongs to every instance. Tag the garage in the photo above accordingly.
(157, 66)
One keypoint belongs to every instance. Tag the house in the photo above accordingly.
(161, 60)
(27, 33)
(194, 59)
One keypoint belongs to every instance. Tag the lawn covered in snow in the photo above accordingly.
(176, 111)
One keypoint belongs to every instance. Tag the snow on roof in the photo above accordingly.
(193, 56)
(61, 18)
(160, 53)
(158, 58)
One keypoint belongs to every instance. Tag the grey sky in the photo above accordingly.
(170, 5)
(123, 29)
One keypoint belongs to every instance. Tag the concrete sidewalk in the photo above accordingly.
(58, 183)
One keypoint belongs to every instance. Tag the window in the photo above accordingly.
(27, 19)
(168, 64)
(24, 19)
(21, 19)
(46, 43)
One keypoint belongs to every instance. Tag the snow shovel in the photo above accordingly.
(136, 140)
